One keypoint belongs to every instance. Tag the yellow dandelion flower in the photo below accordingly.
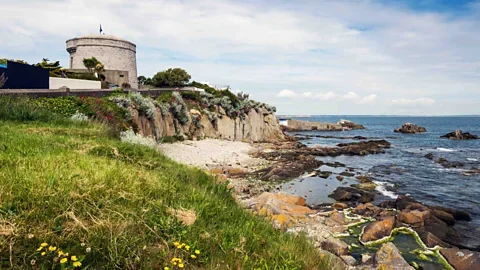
(40, 248)
(180, 265)
(193, 256)
(187, 247)
(64, 260)
(44, 244)
(197, 251)
(176, 244)
(77, 264)
(60, 253)
(174, 263)
(166, 268)
(43, 253)
(52, 248)
(74, 258)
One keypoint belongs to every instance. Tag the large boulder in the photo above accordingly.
(283, 209)
(410, 128)
(335, 246)
(459, 135)
(389, 257)
(457, 214)
(462, 259)
(378, 229)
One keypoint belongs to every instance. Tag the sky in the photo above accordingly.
(349, 57)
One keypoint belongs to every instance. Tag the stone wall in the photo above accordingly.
(258, 126)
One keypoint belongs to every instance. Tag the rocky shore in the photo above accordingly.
(394, 234)
(298, 125)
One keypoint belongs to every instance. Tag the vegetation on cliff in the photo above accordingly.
(67, 186)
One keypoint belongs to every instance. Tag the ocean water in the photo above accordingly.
(403, 169)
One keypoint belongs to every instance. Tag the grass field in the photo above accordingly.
(114, 205)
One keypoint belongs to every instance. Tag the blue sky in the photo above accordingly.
(306, 57)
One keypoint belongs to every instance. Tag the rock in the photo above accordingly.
(444, 216)
(370, 186)
(462, 259)
(378, 229)
(449, 164)
(457, 214)
(324, 174)
(359, 138)
(367, 209)
(430, 239)
(367, 259)
(390, 204)
(337, 217)
(283, 209)
(414, 218)
(364, 148)
(347, 174)
(335, 246)
(352, 194)
(364, 179)
(195, 112)
(349, 260)
(429, 156)
(459, 135)
(339, 206)
(389, 257)
(349, 125)
(340, 178)
(335, 164)
(236, 172)
(410, 128)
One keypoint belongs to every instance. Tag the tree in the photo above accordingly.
(171, 77)
(141, 80)
(91, 64)
(53, 67)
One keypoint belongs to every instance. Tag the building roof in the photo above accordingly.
(98, 36)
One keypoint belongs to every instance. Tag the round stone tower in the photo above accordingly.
(114, 53)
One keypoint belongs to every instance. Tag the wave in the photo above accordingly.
(382, 188)
(472, 159)
(445, 149)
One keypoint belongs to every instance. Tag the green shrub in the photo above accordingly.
(82, 76)
(190, 95)
(24, 110)
(165, 97)
(66, 106)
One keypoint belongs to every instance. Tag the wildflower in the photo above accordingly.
(77, 264)
(74, 258)
(40, 248)
(60, 253)
(30, 236)
(193, 256)
(44, 245)
(187, 248)
(33, 262)
(88, 250)
(52, 248)
(176, 244)
(64, 260)
(180, 265)
(166, 268)
(82, 244)
(43, 253)
(197, 251)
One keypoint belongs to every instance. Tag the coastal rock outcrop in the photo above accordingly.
(352, 195)
(459, 135)
(410, 128)
(378, 229)
(257, 126)
(298, 125)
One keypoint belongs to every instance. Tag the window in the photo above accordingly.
(121, 76)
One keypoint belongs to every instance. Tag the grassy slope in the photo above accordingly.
(68, 184)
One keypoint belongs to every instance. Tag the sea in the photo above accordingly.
(404, 169)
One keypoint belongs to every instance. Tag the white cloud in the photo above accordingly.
(286, 93)
(325, 96)
(414, 102)
(351, 95)
(368, 99)
(307, 94)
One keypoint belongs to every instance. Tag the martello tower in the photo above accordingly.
(114, 53)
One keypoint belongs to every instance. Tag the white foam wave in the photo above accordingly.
(382, 188)
(472, 159)
(445, 149)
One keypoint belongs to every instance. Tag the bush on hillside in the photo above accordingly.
(171, 77)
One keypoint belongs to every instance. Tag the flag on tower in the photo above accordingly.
(101, 28)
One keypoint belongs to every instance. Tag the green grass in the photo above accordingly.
(74, 187)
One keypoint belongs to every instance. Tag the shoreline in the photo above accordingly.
(243, 166)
